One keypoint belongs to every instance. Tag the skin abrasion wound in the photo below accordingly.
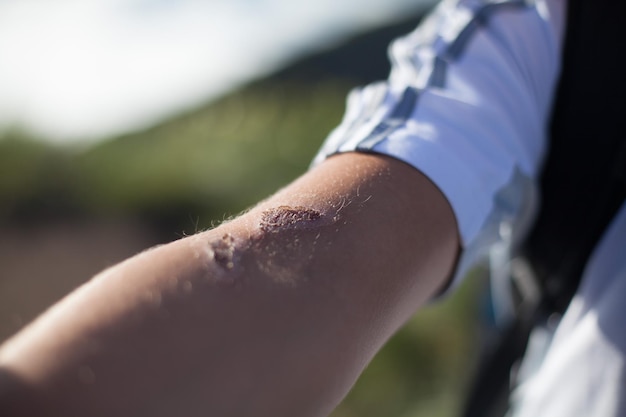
(223, 251)
(287, 217)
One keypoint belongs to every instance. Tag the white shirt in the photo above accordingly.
(468, 103)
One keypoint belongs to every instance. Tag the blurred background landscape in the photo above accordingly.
(81, 195)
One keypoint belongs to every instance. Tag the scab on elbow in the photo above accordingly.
(280, 246)
(281, 218)
(223, 259)
(223, 251)
(285, 241)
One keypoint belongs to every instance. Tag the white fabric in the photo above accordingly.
(482, 131)
(581, 374)
(467, 103)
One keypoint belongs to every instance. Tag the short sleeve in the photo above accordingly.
(467, 103)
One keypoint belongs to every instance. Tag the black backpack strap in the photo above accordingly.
(583, 184)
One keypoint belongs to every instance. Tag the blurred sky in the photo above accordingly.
(81, 70)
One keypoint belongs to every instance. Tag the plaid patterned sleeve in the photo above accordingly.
(467, 103)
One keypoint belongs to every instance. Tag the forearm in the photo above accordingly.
(275, 313)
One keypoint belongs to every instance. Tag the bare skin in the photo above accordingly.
(275, 313)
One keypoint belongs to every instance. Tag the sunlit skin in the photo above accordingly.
(274, 313)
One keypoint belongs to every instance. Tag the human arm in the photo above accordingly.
(272, 314)
(471, 131)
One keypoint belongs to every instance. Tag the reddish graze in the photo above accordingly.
(286, 217)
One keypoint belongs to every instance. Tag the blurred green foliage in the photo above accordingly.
(226, 156)
(214, 162)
